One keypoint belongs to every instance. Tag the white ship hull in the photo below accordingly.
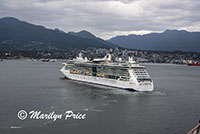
(132, 84)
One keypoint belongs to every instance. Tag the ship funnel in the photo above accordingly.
(108, 57)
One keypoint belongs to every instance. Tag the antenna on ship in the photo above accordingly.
(111, 51)
(130, 59)
(86, 58)
(80, 55)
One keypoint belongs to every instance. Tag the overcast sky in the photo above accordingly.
(107, 18)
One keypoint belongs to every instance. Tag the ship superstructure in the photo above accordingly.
(125, 75)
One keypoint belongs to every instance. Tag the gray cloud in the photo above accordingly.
(107, 18)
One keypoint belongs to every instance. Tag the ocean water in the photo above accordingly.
(172, 108)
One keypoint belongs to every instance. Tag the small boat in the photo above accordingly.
(193, 64)
(195, 130)
(45, 60)
(53, 60)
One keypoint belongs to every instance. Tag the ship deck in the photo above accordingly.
(110, 65)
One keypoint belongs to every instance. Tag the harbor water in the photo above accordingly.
(172, 108)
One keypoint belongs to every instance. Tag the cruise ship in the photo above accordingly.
(127, 75)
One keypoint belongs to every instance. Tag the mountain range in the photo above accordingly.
(14, 31)
(169, 40)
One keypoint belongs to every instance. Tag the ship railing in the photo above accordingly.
(195, 130)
